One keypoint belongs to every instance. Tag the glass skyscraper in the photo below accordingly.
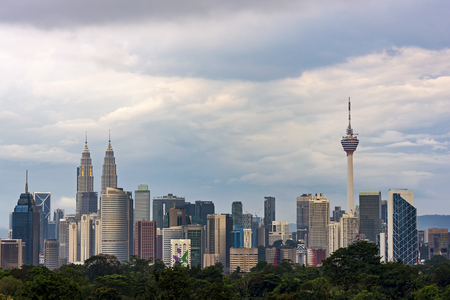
(142, 198)
(86, 197)
(269, 216)
(370, 214)
(161, 206)
(236, 212)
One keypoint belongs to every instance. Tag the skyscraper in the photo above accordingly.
(402, 227)
(202, 210)
(109, 175)
(350, 142)
(44, 199)
(142, 198)
(319, 218)
(145, 239)
(269, 216)
(236, 212)
(86, 197)
(196, 233)
(25, 225)
(303, 216)
(51, 254)
(161, 206)
(115, 208)
(370, 214)
(218, 237)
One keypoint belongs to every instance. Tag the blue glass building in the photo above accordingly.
(25, 226)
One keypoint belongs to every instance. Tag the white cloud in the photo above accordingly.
(66, 203)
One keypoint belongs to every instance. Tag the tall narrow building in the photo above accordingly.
(269, 216)
(303, 216)
(109, 175)
(350, 142)
(86, 197)
(25, 226)
(142, 198)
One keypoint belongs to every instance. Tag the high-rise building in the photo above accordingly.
(349, 229)
(248, 238)
(438, 242)
(236, 212)
(180, 252)
(116, 215)
(63, 239)
(73, 242)
(337, 213)
(279, 231)
(303, 216)
(350, 142)
(370, 214)
(86, 197)
(12, 253)
(145, 239)
(168, 235)
(247, 220)
(43, 228)
(161, 206)
(383, 211)
(218, 237)
(142, 207)
(319, 218)
(51, 254)
(244, 258)
(177, 217)
(44, 199)
(202, 210)
(269, 216)
(197, 235)
(25, 225)
(402, 227)
(87, 236)
(334, 233)
(58, 214)
(109, 175)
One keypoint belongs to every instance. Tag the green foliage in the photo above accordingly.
(9, 285)
(277, 244)
(101, 265)
(431, 292)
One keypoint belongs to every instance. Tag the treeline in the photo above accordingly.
(354, 272)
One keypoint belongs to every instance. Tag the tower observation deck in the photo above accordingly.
(350, 143)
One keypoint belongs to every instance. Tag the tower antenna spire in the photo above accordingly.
(110, 135)
(349, 114)
(26, 182)
(85, 140)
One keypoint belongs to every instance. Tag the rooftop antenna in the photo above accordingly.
(26, 182)
(110, 135)
(349, 114)
(85, 141)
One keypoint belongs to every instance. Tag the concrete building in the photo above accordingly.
(142, 205)
(218, 237)
(303, 216)
(337, 213)
(169, 234)
(63, 242)
(12, 253)
(349, 143)
(349, 230)
(248, 238)
(334, 233)
(117, 217)
(51, 253)
(319, 218)
(402, 227)
(244, 258)
(370, 214)
(279, 231)
(438, 242)
(288, 254)
(161, 206)
(177, 217)
(210, 259)
(145, 239)
(73, 243)
(315, 256)
(180, 252)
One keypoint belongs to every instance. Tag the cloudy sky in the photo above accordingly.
(226, 100)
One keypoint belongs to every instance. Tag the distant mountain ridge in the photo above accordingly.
(433, 221)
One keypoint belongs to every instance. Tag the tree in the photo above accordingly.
(344, 266)
(101, 265)
(277, 244)
(9, 285)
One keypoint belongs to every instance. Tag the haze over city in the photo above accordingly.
(226, 101)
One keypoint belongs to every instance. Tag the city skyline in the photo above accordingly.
(225, 103)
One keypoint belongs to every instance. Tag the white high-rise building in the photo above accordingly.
(319, 218)
(248, 238)
(142, 203)
(115, 216)
(334, 233)
(349, 229)
(180, 251)
(73, 242)
(169, 234)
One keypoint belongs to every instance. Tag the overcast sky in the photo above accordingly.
(226, 100)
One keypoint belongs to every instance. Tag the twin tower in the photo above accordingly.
(86, 200)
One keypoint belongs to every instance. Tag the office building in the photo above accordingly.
(145, 240)
(303, 216)
(247, 220)
(370, 215)
(25, 225)
(315, 256)
(383, 211)
(197, 235)
(161, 206)
(180, 252)
(177, 217)
(319, 218)
(87, 235)
(210, 259)
(402, 227)
(279, 231)
(86, 201)
(51, 254)
(269, 216)
(169, 234)
(218, 237)
(287, 253)
(202, 210)
(337, 213)
(236, 239)
(244, 258)
(349, 143)
(334, 233)
(63, 240)
(349, 229)
(236, 212)
(438, 242)
(116, 220)
(12, 253)
(58, 214)
(73, 243)
(109, 174)
(44, 199)
(43, 227)
(248, 238)
(98, 236)
(142, 206)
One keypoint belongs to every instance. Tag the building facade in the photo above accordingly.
(319, 218)
(161, 206)
(51, 254)
(370, 214)
(236, 212)
(244, 258)
(303, 216)
(145, 239)
(86, 200)
(12, 253)
(218, 237)
(142, 203)
(269, 216)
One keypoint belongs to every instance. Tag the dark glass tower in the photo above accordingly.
(269, 216)
(109, 175)
(236, 212)
(86, 197)
(303, 216)
(25, 226)
(369, 214)
(202, 210)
